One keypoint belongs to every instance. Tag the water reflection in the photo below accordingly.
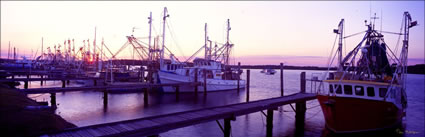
(87, 108)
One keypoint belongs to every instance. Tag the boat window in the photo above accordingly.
(359, 90)
(168, 67)
(209, 63)
(382, 92)
(331, 89)
(187, 72)
(338, 89)
(348, 89)
(370, 91)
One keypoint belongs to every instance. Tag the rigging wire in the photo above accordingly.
(174, 38)
(398, 41)
(354, 34)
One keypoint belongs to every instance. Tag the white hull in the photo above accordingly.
(212, 84)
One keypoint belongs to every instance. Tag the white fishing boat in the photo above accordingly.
(218, 77)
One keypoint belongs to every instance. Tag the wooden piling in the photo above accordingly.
(269, 132)
(239, 69)
(142, 74)
(63, 83)
(105, 98)
(196, 81)
(146, 96)
(281, 79)
(302, 78)
(28, 76)
(227, 127)
(41, 82)
(53, 100)
(177, 93)
(247, 85)
(26, 84)
(300, 107)
(205, 81)
(94, 82)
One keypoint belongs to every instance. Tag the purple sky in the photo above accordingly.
(264, 32)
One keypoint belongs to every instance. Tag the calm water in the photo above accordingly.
(86, 108)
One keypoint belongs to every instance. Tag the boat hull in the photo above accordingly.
(348, 115)
(212, 84)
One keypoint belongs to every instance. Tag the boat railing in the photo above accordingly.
(316, 84)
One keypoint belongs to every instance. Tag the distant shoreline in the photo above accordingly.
(414, 69)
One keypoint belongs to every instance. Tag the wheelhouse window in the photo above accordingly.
(348, 89)
(338, 89)
(382, 92)
(370, 91)
(359, 90)
(331, 88)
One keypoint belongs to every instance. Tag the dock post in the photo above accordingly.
(28, 77)
(227, 127)
(269, 120)
(63, 83)
(281, 79)
(247, 85)
(146, 96)
(177, 93)
(41, 81)
(196, 81)
(300, 107)
(239, 69)
(142, 74)
(94, 82)
(13, 76)
(26, 84)
(105, 98)
(53, 100)
(205, 82)
(302, 78)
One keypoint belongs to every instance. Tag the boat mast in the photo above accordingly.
(206, 41)
(163, 36)
(226, 58)
(340, 32)
(94, 49)
(404, 53)
(42, 47)
(150, 34)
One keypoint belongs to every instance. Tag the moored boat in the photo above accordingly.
(212, 70)
(367, 92)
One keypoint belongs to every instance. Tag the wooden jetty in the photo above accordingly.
(141, 87)
(151, 126)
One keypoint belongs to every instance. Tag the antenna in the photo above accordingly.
(374, 18)
(381, 21)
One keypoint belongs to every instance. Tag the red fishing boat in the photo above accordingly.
(367, 92)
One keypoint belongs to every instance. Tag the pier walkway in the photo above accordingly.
(152, 126)
(102, 88)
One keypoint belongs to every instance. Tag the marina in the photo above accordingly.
(131, 75)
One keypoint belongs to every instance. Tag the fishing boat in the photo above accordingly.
(367, 92)
(212, 70)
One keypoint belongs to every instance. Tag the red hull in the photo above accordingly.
(345, 115)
